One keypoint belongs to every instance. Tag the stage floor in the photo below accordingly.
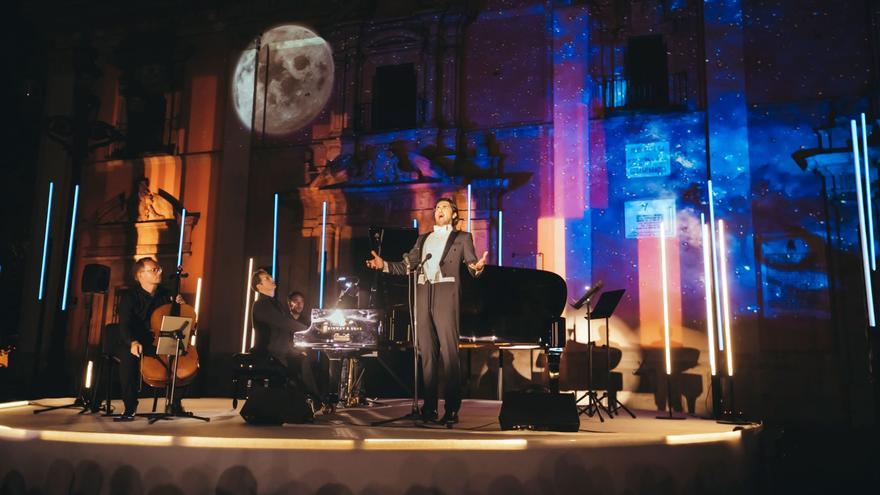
(342, 453)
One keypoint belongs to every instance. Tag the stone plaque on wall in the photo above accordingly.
(642, 217)
(647, 159)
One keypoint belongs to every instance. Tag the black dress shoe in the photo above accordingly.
(125, 417)
(428, 415)
(449, 418)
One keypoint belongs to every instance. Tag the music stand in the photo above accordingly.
(173, 334)
(594, 406)
(605, 307)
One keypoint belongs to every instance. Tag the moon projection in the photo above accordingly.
(296, 86)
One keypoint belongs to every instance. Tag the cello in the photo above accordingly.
(156, 370)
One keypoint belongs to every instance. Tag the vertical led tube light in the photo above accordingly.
(88, 382)
(500, 234)
(707, 275)
(415, 224)
(469, 208)
(720, 323)
(254, 330)
(180, 241)
(70, 248)
(663, 274)
(323, 256)
(866, 271)
(870, 205)
(247, 304)
(198, 304)
(46, 241)
(725, 295)
(275, 238)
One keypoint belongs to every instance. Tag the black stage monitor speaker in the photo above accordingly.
(539, 411)
(95, 278)
(275, 406)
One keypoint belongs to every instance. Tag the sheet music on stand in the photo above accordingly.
(165, 345)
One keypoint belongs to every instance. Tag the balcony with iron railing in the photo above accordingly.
(618, 93)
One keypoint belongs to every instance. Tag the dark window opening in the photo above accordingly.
(647, 73)
(394, 97)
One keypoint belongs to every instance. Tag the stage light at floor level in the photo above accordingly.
(10, 405)
(88, 383)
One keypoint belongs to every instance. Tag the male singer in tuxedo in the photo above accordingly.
(442, 251)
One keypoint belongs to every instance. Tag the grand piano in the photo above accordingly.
(503, 308)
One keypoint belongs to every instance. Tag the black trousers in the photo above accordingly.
(437, 315)
(130, 375)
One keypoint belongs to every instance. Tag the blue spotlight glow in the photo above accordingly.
(323, 257)
(863, 238)
(868, 195)
(70, 248)
(500, 234)
(180, 240)
(415, 224)
(275, 237)
(46, 241)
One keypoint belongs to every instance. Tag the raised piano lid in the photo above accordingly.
(507, 306)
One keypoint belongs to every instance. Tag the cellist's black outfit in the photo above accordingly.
(135, 308)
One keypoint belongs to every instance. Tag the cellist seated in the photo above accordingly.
(135, 337)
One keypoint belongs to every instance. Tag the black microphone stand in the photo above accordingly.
(413, 300)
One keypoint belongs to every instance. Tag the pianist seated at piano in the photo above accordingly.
(440, 252)
(274, 327)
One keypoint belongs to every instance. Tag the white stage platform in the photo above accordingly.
(66, 452)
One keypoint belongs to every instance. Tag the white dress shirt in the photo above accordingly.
(434, 244)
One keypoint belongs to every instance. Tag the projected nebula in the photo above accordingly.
(296, 86)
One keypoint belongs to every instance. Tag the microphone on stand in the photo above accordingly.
(419, 265)
(590, 292)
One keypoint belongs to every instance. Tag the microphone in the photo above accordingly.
(420, 263)
(590, 292)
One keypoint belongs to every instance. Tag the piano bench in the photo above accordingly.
(250, 369)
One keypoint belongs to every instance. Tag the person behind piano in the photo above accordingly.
(274, 327)
(296, 303)
(442, 250)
